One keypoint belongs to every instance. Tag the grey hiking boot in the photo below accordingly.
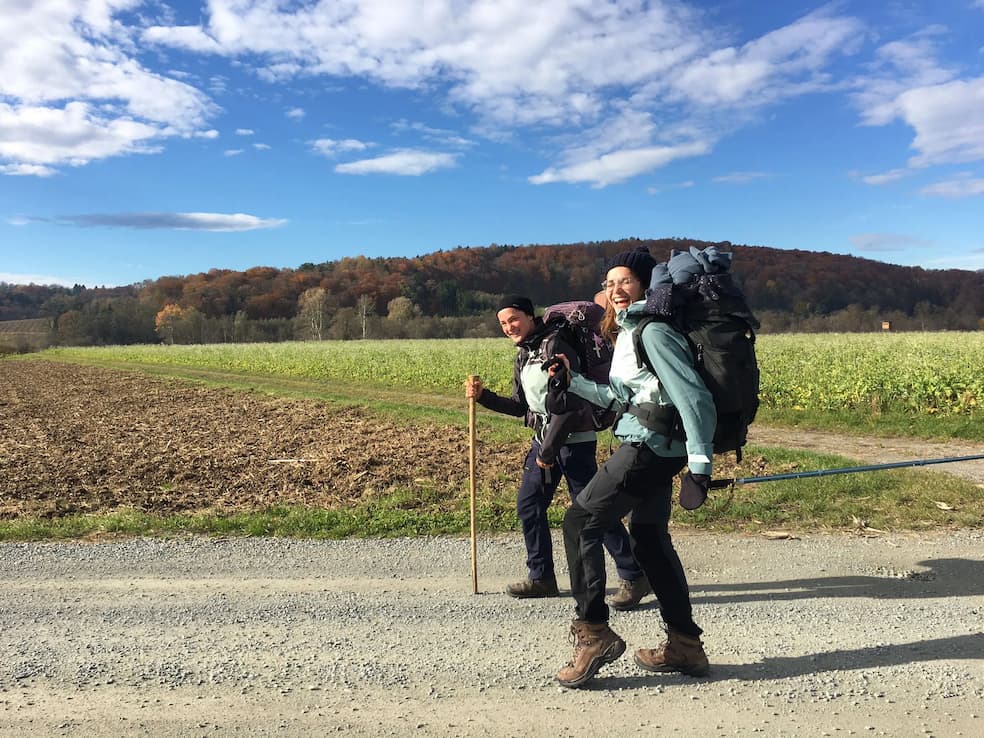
(595, 644)
(630, 593)
(533, 588)
(678, 652)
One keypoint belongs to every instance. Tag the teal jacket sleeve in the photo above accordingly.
(600, 395)
(682, 386)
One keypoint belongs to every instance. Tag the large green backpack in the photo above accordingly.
(711, 311)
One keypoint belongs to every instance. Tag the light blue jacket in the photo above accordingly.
(678, 384)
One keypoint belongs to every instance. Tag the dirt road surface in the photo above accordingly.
(812, 636)
(817, 635)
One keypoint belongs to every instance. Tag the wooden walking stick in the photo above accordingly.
(471, 482)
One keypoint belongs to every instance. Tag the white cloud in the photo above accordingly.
(909, 84)
(619, 165)
(232, 152)
(405, 162)
(955, 189)
(73, 90)
(948, 120)
(886, 242)
(18, 220)
(618, 78)
(261, 146)
(26, 170)
(45, 137)
(244, 132)
(173, 221)
(581, 66)
(331, 147)
(185, 37)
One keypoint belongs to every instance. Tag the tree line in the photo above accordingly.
(452, 293)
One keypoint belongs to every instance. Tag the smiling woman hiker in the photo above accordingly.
(563, 444)
(637, 479)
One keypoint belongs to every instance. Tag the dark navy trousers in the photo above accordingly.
(634, 480)
(577, 464)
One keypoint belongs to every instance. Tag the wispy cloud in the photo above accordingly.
(955, 189)
(741, 177)
(14, 278)
(441, 136)
(232, 152)
(619, 165)
(405, 162)
(578, 67)
(173, 221)
(887, 242)
(784, 63)
(245, 131)
(911, 85)
(893, 175)
(593, 83)
(659, 189)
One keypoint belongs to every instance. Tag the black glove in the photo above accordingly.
(693, 490)
(556, 402)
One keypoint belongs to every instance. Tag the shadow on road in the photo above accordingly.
(933, 578)
(964, 647)
(940, 578)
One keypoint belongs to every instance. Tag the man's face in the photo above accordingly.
(516, 324)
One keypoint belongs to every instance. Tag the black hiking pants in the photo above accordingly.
(634, 480)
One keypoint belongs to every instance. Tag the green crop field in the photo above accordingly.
(912, 373)
(927, 385)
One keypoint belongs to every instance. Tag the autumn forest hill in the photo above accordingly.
(788, 289)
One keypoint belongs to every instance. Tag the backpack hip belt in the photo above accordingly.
(662, 419)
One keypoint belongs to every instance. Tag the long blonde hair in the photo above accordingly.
(609, 327)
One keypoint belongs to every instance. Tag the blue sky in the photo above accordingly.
(141, 139)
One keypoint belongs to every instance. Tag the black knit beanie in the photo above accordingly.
(517, 302)
(638, 260)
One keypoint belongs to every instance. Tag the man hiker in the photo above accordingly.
(563, 445)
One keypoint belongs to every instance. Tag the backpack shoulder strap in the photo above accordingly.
(642, 359)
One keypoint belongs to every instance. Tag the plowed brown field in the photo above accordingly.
(79, 439)
(82, 439)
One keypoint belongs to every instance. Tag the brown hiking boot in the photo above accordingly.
(630, 593)
(533, 588)
(595, 644)
(678, 652)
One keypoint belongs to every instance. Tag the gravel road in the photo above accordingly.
(818, 635)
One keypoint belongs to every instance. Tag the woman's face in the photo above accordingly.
(622, 287)
(516, 324)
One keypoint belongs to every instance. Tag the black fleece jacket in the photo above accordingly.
(551, 430)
